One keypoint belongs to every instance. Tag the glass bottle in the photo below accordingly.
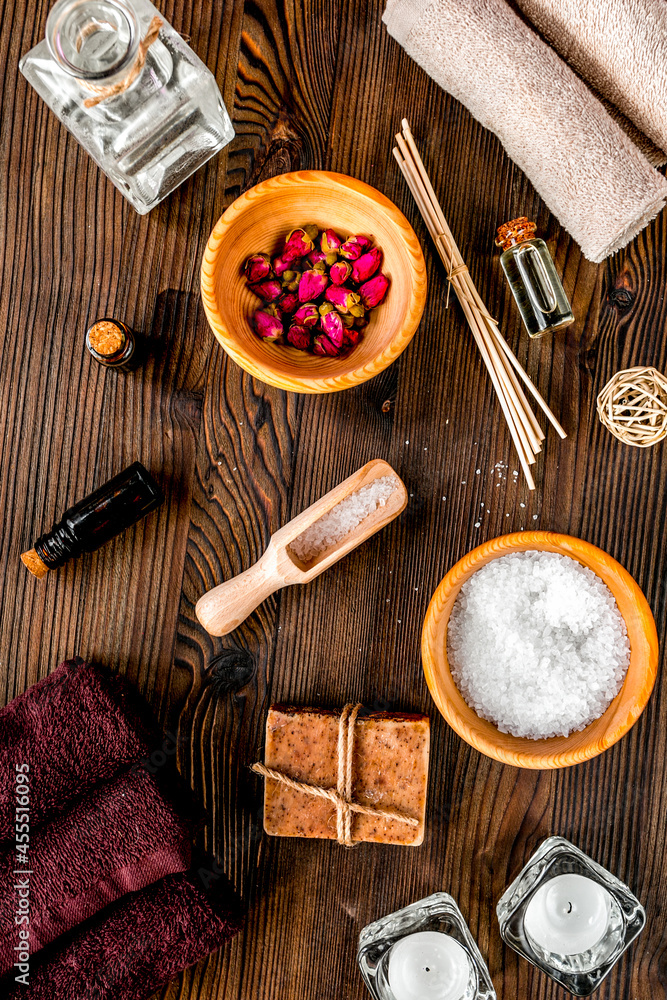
(110, 509)
(131, 91)
(533, 278)
(113, 344)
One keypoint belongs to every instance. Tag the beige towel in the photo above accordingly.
(590, 175)
(619, 47)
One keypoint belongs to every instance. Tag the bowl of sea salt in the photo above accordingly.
(539, 649)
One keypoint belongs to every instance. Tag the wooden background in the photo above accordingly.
(317, 84)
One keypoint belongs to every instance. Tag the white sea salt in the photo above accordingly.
(536, 644)
(342, 519)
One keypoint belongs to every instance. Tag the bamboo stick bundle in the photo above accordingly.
(503, 367)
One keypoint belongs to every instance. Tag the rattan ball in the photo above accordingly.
(633, 406)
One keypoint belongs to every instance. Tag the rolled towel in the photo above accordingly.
(78, 727)
(589, 173)
(136, 946)
(619, 47)
(118, 839)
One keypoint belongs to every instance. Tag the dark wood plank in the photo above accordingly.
(316, 84)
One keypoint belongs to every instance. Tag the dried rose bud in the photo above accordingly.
(311, 285)
(366, 266)
(299, 337)
(358, 310)
(280, 266)
(322, 345)
(257, 267)
(307, 315)
(373, 292)
(348, 320)
(297, 245)
(340, 272)
(354, 247)
(312, 231)
(361, 324)
(325, 308)
(266, 326)
(342, 298)
(268, 290)
(330, 241)
(320, 267)
(332, 326)
(292, 286)
(315, 256)
(331, 258)
(288, 302)
(288, 276)
(351, 338)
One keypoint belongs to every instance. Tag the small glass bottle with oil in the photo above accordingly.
(533, 278)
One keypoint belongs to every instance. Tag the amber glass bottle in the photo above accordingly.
(112, 508)
(533, 278)
(113, 344)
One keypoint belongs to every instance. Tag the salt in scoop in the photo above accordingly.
(297, 554)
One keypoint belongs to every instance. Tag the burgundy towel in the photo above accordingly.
(137, 946)
(78, 727)
(118, 839)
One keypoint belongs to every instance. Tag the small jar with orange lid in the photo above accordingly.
(113, 344)
(533, 278)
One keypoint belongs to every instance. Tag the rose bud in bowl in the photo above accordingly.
(318, 289)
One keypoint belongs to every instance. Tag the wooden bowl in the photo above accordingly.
(557, 751)
(259, 221)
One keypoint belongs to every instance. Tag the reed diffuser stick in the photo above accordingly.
(504, 368)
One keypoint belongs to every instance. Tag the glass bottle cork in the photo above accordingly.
(533, 278)
(132, 92)
(113, 344)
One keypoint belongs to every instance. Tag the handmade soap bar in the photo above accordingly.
(389, 772)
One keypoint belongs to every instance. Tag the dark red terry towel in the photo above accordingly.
(118, 839)
(137, 946)
(78, 727)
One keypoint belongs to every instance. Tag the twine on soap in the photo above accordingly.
(103, 93)
(633, 406)
(341, 796)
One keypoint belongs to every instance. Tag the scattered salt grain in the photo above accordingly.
(536, 644)
(342, 519)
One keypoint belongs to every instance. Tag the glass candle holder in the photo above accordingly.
(423, 952)
(131, 91)
(569, 917)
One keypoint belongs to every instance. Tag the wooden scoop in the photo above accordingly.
(223, 608)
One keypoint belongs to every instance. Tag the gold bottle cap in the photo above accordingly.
(516, 231)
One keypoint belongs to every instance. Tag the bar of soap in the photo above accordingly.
(391, 752)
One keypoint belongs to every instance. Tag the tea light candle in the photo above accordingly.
(568, 915)
(428, 965)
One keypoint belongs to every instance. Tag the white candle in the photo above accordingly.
(568, 914)
(428, 965)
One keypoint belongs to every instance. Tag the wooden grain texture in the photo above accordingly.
(317, 84)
